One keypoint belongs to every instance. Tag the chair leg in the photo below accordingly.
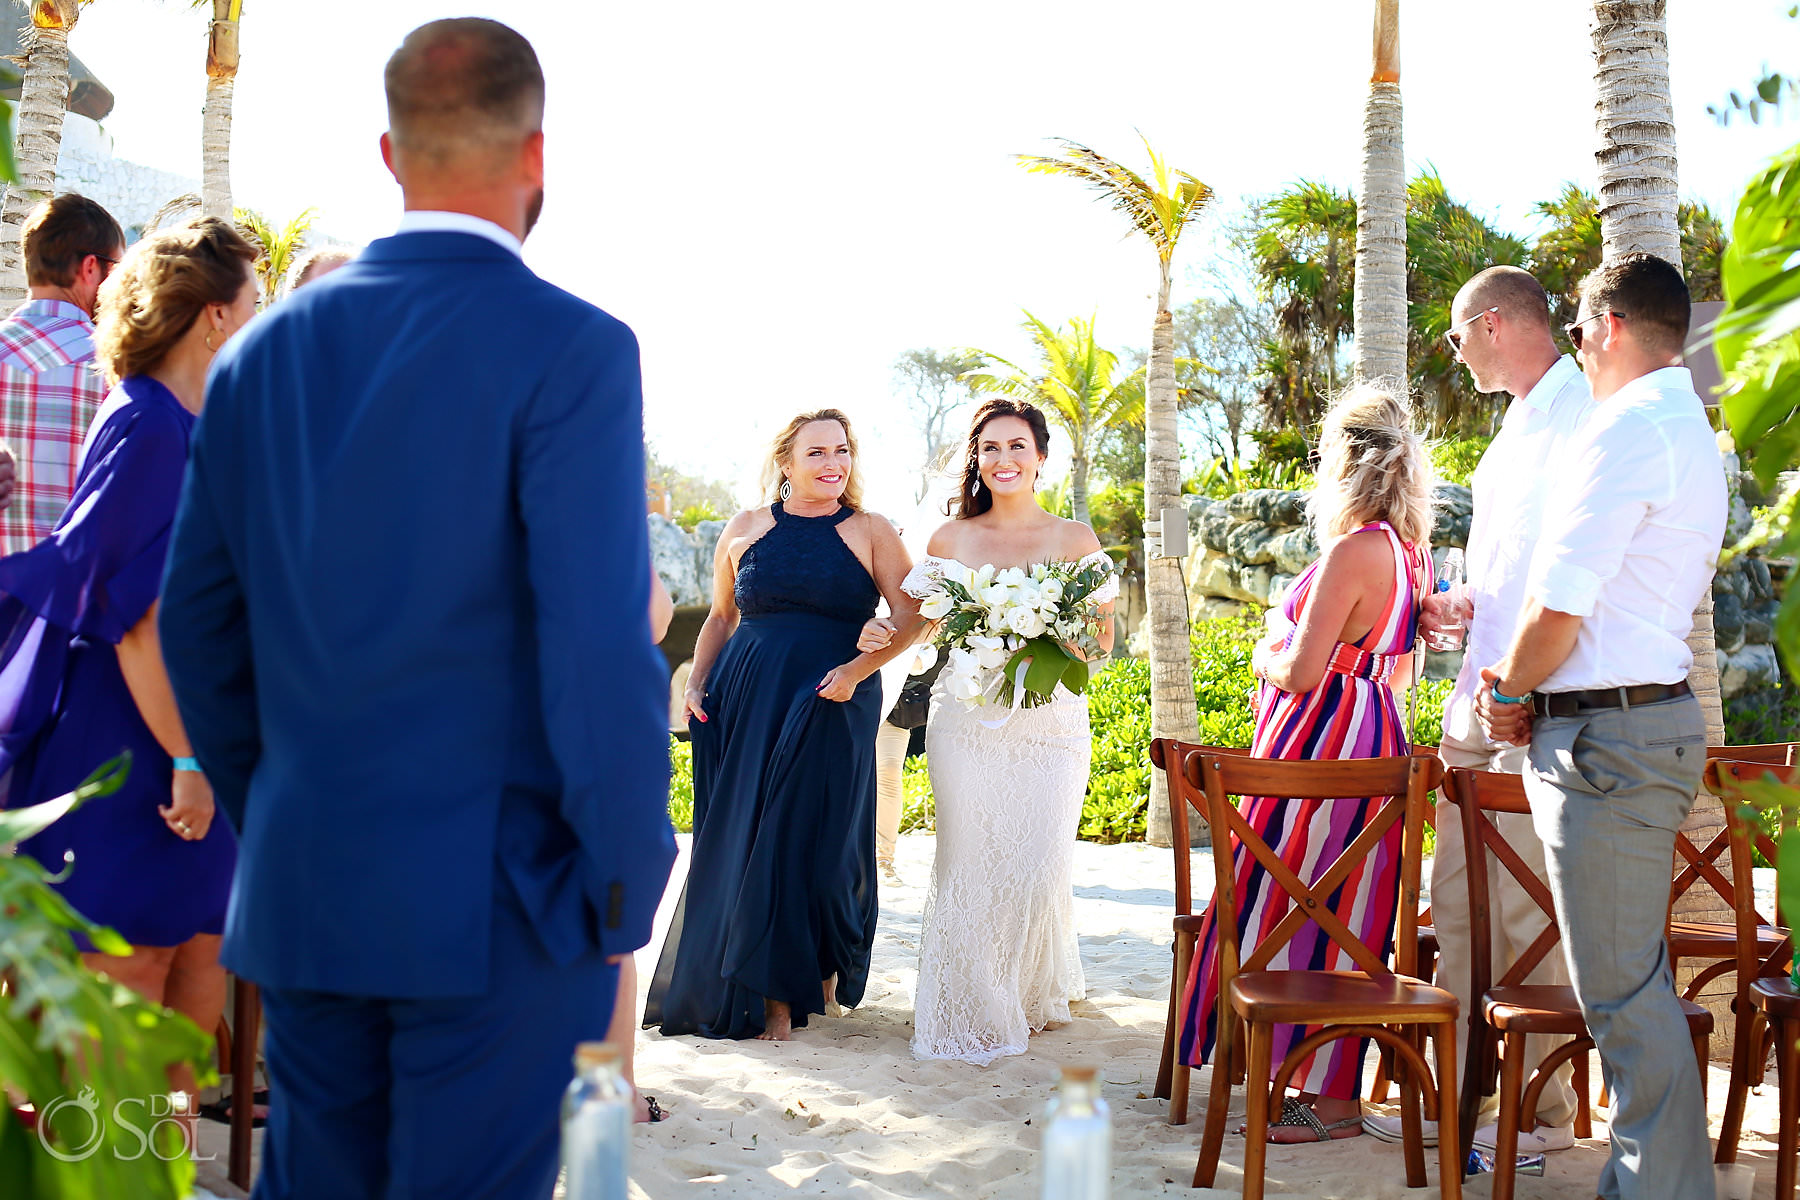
(1450, 1156)
(1743, 1044)
(1584, 1112)
(1469, 1101)
(1178, 1070)
(1412, 1130)
(1378, 1091)
(1702, 1055)
(1256, 1107)
(1787, 1079)
(1506, 1137)
(246, 1015)
(1171, 1035)
(1218, 1108)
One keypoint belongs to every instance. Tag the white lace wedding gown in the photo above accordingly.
(999, 957)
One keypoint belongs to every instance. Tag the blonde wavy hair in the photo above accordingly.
(781, 453)
(1372, 467)
(165, 282)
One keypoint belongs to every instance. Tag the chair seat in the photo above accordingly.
(1776, 996)
(1550, 1008)
(1338, 998)
(1699, 939)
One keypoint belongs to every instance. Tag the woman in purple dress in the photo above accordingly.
(81, 672)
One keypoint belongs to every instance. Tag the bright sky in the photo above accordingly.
(782, 198)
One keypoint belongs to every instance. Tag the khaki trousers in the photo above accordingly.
(890, 760)
(1515, 918)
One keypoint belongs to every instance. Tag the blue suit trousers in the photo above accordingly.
(443, 1098)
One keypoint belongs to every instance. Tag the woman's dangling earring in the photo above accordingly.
(787, 488)
(976, 489)
(210, 348)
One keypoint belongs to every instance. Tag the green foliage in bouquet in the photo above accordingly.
(1038, 662)
(89, 1055)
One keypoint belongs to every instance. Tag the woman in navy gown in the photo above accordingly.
(81, 673)
(778, 913)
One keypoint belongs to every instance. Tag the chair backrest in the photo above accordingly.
(1700, 864)
(1400, 785)
(1476, 793)
(1725, 779)
(1170, 756)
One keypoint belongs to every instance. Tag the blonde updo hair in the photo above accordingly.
(152, 298)
(781, 453)
(1372, 467)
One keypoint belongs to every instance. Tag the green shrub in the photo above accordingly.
(681, 785)
(1220, 481)
(693, 514)
(1455, 459)
(917, 809)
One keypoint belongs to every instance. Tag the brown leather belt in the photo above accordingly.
(1569, 704)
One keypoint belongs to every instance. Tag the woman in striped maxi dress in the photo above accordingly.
(1343, 632)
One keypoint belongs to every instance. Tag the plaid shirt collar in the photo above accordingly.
(44, 334)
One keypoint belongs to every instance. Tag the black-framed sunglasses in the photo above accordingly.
(1573, 328)
(1455, 338)
(110, 264)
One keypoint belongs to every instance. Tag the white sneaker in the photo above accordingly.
(1542, 1140)
(1388, 1129)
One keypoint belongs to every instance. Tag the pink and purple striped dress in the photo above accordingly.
(1351, 714)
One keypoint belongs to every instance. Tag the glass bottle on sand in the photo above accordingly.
(596, 1126)
(1077, 1139)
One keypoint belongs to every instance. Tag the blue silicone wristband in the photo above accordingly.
(1502, 698)
(187, 764)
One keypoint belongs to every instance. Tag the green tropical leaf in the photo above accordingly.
(17, 824)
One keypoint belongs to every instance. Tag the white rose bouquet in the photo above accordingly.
(1011, 636)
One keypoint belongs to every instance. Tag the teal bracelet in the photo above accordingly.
(1501, 697)
(187, 764)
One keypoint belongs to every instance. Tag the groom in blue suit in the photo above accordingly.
(406, 616)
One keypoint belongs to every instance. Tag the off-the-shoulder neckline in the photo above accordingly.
(1096, 555)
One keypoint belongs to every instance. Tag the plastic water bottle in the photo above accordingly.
(1450, 585)
(1077, 1139)
(596, 1126)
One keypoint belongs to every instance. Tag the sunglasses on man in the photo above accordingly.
(1573, 328)
(1455, 339)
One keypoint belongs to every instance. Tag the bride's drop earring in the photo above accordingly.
(976, 490)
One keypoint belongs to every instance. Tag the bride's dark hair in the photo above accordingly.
(973, 499)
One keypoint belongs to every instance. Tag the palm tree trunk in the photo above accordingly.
(1635, 153)
(1380, 301)
(215, 119)
(1634, 123)
(1172, 709)
(1078, 485)
(43, 100)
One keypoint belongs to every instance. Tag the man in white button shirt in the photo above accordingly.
(1500, 330)
(1596, 683)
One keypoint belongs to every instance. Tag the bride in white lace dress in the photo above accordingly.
(999, 958)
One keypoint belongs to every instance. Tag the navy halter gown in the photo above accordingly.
(780, 890)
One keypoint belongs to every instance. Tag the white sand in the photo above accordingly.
(844, 1110)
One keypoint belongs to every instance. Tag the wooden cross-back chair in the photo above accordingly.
(1699, 865)
(1386, 1005)
(1169, 756)
(1509, 1010)
(1767, 1005)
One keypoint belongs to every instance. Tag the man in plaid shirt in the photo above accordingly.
(49, 390)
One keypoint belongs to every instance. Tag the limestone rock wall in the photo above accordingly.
(684, 560)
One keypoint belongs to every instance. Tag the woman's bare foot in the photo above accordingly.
(778, 1022)
(832, 1007)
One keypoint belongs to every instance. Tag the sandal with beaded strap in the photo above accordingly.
(1298, 1114)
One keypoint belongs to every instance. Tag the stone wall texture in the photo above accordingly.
(130, 191)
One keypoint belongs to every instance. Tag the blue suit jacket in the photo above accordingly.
(406, 618)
